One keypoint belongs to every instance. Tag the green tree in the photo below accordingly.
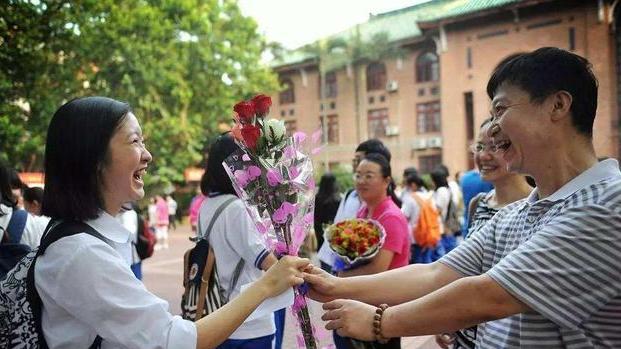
(181, 64)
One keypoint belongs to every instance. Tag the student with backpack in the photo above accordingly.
(19, 231)
(240, 255)
(424, 220)
(79, 286)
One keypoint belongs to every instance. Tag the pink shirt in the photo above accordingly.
(195, 206)
(161, 212)
(396, 226)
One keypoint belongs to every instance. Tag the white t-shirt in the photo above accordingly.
(172, 206)
(348, 208)
(33, 230)
(442, 197)
(234, 236)
(87, 288)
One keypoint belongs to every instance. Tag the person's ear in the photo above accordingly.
(561, 105)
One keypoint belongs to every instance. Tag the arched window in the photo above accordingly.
(287, 95)
(427, 67)
(331, 87)
(376, 76)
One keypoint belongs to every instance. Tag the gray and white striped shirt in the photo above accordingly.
(562, 257)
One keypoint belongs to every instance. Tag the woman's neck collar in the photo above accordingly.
(372, 206)
(510, 189)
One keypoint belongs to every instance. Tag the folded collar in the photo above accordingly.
(602, 170)
(110, 228)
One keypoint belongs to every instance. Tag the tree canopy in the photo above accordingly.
(181, 64)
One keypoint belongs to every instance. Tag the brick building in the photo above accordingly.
(426, 100)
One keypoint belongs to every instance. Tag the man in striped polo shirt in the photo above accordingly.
(546, 271)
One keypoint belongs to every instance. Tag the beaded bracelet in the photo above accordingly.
(377, 324)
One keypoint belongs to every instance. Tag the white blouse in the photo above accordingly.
(88, 289)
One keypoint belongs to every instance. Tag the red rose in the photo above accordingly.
(262, 104)
(250, 134)
(245, 111)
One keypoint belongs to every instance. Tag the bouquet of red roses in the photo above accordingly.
(273, 175)
(355, 240)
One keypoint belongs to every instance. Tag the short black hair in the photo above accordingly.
(416, 179)
(441, 168)
(15, 181)
(438, 177)
(6, 194)
(409, 170)
(546, 71)
(76, 148)
(371, 146)
(215, 178)
(33, 194)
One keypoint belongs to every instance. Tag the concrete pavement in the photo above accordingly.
(162, 275)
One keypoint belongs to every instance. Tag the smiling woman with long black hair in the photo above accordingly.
(95, 162)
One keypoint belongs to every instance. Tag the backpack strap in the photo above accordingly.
(211, 261)
(54, 231)
(16, 226)
(472, 207)
(348, 194)
(213, 219)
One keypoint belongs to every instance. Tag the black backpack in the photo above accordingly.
(202, 291)
(11, 250)
(20, 304)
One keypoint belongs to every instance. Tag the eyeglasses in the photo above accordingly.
(365, 177)
(499, 109)
(478, 147)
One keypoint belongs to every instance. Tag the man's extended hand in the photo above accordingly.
(350, 319)
(322, 285)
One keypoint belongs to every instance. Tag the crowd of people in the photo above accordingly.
(526, 254)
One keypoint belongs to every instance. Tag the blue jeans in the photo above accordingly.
(279, 322)
(420, 255)
(449, 242)
(252, 343)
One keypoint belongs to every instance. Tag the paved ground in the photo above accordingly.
(163, 276)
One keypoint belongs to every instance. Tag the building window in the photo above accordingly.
(291, 112)
(469, 57)
(283, 113)
(330, 86)
(427, 163)
(332, 105)
(333, 128)
(427, 67)
(291, 126)
(421, 92)
(434, 90)
(287, 95)
(376, 76)
(382, 98)
(469, 107)
(572, 39)
(428, 117)
(371, 100)
(377, 121)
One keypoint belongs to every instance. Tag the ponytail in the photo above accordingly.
(391, 192)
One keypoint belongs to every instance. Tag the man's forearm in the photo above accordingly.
(398, 285)
(461, 304)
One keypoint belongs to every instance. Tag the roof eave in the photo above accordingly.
(307, 63)
(425, 25)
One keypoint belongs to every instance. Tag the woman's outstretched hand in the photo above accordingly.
(286, 273)
(322, 285)
(350, 319)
